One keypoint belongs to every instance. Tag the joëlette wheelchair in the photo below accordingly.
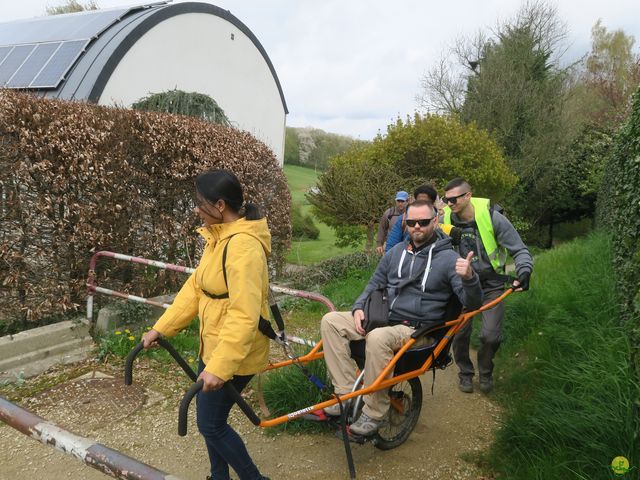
(400, 377)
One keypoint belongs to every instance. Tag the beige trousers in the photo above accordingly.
(338, 329)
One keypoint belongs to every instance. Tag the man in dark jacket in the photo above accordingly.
(389, 218)
(436, 272)
(488, 233)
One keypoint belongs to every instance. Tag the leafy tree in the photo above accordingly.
(72, 6)
(517, 90)
(580, 175)
(359, 184)
(312, 147)
(192, 104)
(327, 145)
(291, 147)
(436, 149)
(355, 190)
(607, 78)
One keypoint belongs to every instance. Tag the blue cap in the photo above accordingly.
(402, 195)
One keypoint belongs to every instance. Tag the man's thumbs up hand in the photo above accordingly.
(463, 267)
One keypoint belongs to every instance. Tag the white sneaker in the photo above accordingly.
(365, 425)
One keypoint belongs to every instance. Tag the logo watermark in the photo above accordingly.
(620, 465)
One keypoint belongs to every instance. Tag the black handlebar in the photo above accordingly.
(128, 364)
(193, 390)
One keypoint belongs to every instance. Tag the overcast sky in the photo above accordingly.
(352, 66)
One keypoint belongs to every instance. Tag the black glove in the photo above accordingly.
(524, 281)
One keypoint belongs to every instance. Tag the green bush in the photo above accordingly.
(302, 226)
(565, 379)
(619, 212)
(334, 268)
(176, 101)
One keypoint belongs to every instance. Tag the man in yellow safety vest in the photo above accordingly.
(488, 233)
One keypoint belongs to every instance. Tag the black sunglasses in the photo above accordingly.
(453, 200)
(423, 222)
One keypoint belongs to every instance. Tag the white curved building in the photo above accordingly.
(118, 56)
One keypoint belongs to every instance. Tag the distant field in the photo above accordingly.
(300, 179)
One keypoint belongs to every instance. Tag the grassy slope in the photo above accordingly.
(566, 382)
(307, 252)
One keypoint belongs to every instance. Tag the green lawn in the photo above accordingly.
(307, 252)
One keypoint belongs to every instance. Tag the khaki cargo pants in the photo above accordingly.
(338, 329)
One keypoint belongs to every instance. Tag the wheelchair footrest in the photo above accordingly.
(353, 437)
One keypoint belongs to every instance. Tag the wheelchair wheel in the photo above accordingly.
(406, 404)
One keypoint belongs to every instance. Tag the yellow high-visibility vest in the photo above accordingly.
(482, 216)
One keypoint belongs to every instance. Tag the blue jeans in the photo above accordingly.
(225, 446)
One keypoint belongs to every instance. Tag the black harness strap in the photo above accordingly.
(263, 324)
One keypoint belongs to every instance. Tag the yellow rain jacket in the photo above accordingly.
(230, 343)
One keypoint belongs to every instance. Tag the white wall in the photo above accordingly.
(194, 52)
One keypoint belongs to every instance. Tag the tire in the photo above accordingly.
(407, 396)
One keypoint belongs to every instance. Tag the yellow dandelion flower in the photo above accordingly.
(126, 330)
(191, 360)
(118, 332)
(131, 337)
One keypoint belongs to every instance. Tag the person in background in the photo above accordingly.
(488, 233)
(398, 232)
(229, 295)
(389, 218)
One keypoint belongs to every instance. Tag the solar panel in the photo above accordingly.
(32, 65)
(59, 64)
(13, 61)
(4, 51)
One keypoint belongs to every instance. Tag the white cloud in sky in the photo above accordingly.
(353, 66)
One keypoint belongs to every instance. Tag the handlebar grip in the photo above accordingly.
(128, 364)
(184, 406)
(244, 406)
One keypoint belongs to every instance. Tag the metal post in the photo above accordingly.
(108, 461)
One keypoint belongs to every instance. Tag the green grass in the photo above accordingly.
(308, 252)
(287, 389)
(300, 180)
(565, 378)
(119, 343)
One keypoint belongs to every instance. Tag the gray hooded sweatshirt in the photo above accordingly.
(434, 282)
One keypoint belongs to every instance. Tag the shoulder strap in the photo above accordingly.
(224, 260)
(263, 324)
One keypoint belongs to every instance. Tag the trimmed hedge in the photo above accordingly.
(76, 178)
(619, 212)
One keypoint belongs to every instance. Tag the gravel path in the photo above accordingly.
(452, 428)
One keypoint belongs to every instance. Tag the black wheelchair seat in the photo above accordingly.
(415, 358)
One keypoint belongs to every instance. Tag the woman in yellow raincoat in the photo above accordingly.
(229, 299)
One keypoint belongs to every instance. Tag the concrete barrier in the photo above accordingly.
(34, 351)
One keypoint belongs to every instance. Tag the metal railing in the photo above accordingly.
(95, 455)
(93, 288)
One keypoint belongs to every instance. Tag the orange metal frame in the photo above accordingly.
(384, 380)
